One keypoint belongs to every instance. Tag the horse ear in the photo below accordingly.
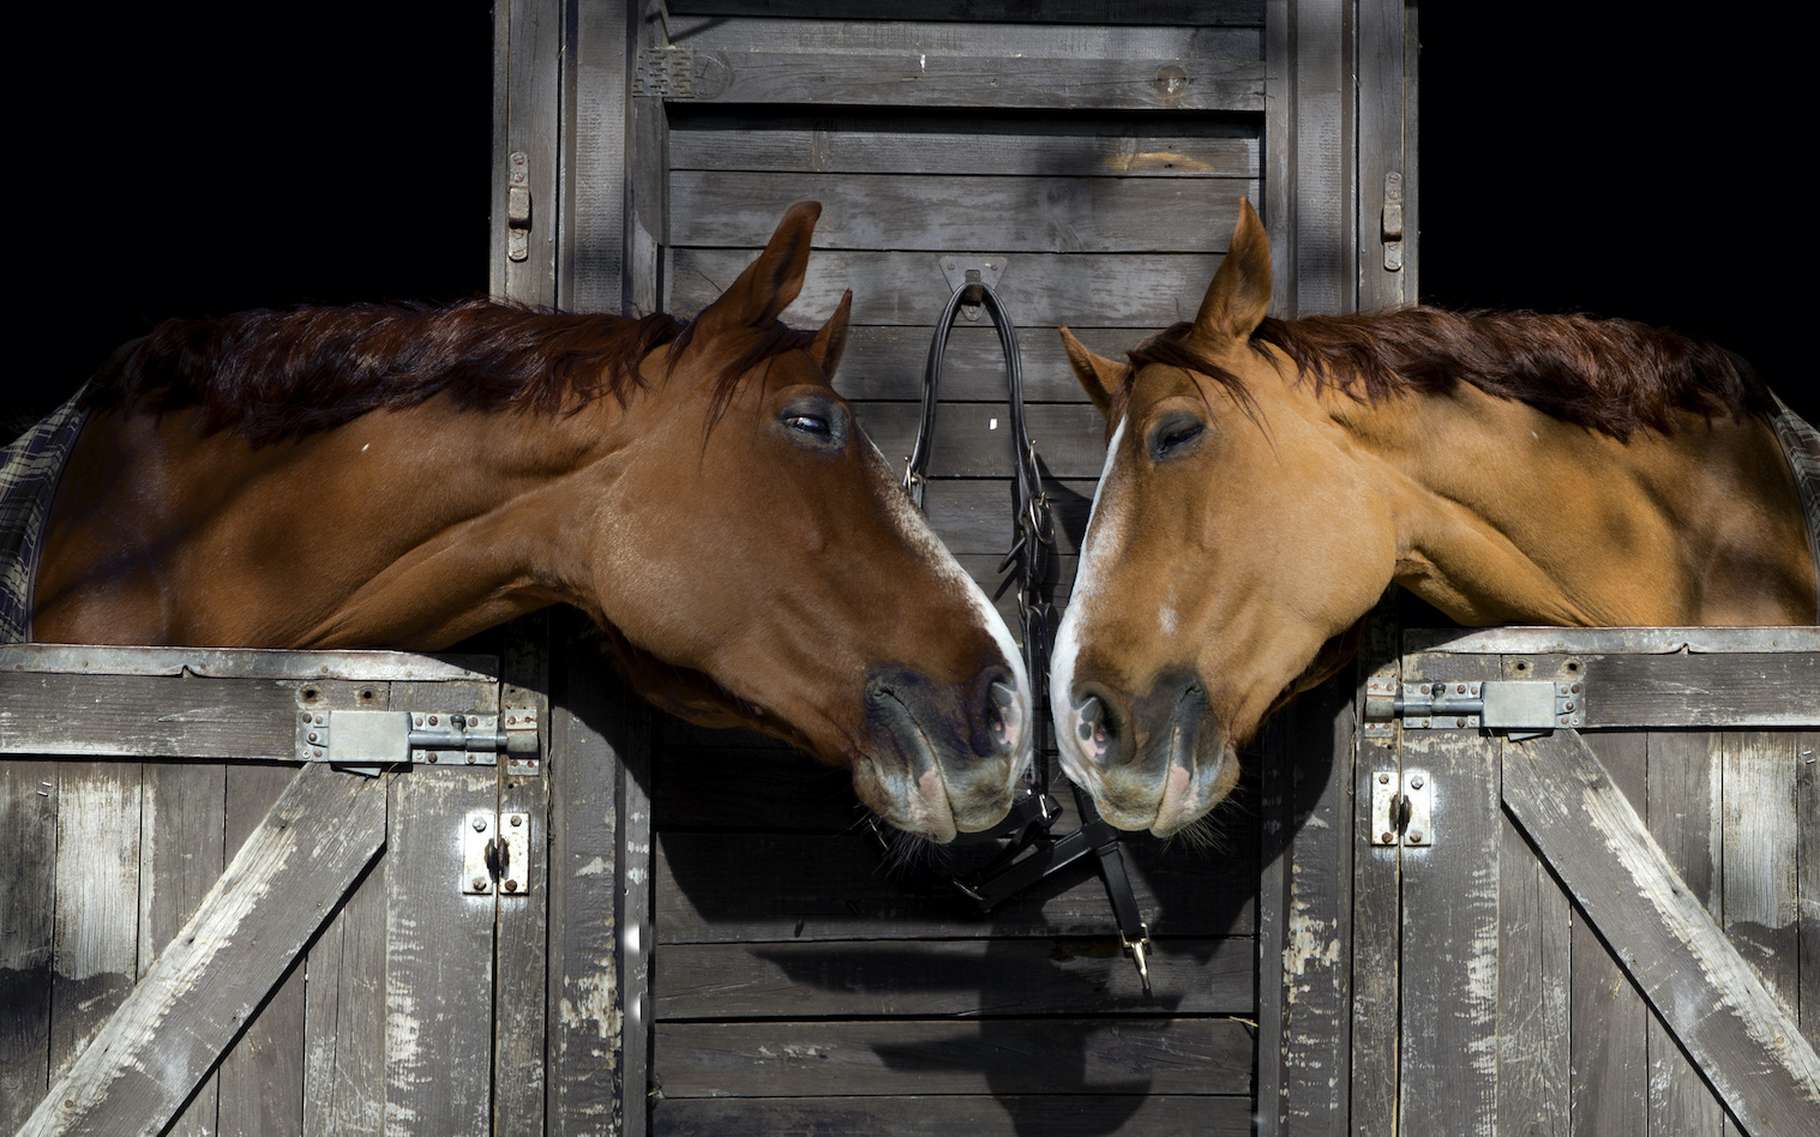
(771, 282)
(1239, 297)
(1101, 377)
(831, 341)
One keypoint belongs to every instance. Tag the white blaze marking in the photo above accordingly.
(1101, 542)
(1165, 620)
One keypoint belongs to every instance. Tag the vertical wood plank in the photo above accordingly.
(1317, 950)
(344, 1017)
(1610, 1070)
(1807, 757)
(439, 941)
(1450, 924)
(261, 1078)
(640, 943)
(1685, 819)
(181, 854)
(1280, 153)
(1273, 918)
(519, 997)
(96, 910)
(1382, 110)
(592, 235)
(593, 721)
(1326, 219)
(1377, 886)
(28, 849)
(527, 79)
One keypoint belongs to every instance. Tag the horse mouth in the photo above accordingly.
(920, 802)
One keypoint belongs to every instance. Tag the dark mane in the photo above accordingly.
(276, 375)
(1612, 376)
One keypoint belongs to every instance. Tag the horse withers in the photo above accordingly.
(405, 478)
(1267, 480)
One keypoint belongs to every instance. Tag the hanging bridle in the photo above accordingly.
(1036, 852)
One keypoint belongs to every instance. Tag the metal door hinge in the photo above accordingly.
(518, 207)
(1402, 808)
(664, 72)
(496, 853)
(367, 741)
(1392, 221)
(1523, 705)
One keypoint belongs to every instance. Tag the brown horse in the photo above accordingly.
(1267, 480)
(391, 477)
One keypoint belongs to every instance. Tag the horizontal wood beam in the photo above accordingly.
(190, 1005)
(1715, 1003)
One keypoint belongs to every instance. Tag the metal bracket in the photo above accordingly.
(1525, 705)
(1402, 808)
(367, 741)
(664, 72)
(964, 270)
(1392, 221)
(518, 207)
(495, 853)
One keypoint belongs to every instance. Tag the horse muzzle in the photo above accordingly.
(944, 758)
(1157, 761)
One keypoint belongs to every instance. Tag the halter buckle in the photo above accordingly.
(1138, 950)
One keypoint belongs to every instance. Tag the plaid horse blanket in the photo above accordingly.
(1801, 445)
(29, 469)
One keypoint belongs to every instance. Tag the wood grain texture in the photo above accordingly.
(273, 897)
(96, 911)
(848, 144)
(28, 844)
(1376, 900)
(1736, 689)
(999, 1115)
(527, 80)
(812, 887)
(1610, 1022)
(181, 854)
(520, 998)
(929, 978)
(999, 1056)
(1134, 290)
(1450, 925)
(1241, 12)
(591, 258)
(973, 440)
(147, 716)
(1686, 820)
(1761, 845)
(1807, 757)
(1009, 214)
(261, 1078)
(973, 516)
(1535, 980)
(1694, 978)
(887, 363)
(345, 1015)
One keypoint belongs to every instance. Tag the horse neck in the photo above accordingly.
(1507, 515)
(410, 529)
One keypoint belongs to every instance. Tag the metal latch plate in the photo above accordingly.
(1402, 808)
(496, 853)
(1492, 704)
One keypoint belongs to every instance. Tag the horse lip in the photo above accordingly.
(918, 750)
(1184, 727)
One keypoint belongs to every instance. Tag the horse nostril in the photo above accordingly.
(1001, 708)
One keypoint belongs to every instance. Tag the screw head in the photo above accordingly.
(1459, 689)
(1383, 779)
(1389, 837)
(480, 884)
(432, 759)
(433, 720)
(480, 825)
(313, 736)
(511, 886)
(517, 821)
(1415, 836)
(1416, 782)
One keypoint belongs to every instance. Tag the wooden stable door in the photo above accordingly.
(1609, 927)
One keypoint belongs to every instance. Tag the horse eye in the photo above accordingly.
(1175, 436)
(808, 424)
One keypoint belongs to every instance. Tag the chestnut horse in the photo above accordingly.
(1267, 480)
(396, 477)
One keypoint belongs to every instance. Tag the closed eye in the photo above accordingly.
(1176, 436)
(808, 424)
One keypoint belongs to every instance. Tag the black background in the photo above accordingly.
(195, 159)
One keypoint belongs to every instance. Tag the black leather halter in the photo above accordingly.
(1036, 851)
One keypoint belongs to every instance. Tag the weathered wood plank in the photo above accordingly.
(181, 853)
(852, 144)
(812, 887)
(96, 911)
(929, 978)
(1316, 976)
(1386, 146)
(1450, 925)
(274, 896)
(1685, 819)
(1241, 12)
(520, 938)
(28, 848)
(1609, 1021)
(1009, 214)
(639, 942)
(974, 517)
(991, 41)
(439, 941)
(1135, 290)
(147, 716)
(1807, 757)
(1741, 689)
(591, 259)
(344, 1017)
(591, 722)
(999, 1056)
(1377, 887)
(973, 440)
(261, 1078)
(1696, 981)
(1000, 1115)
(527, 81)
(887, 363)
(241, 663)
(1535, 978)
(1759, 865)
